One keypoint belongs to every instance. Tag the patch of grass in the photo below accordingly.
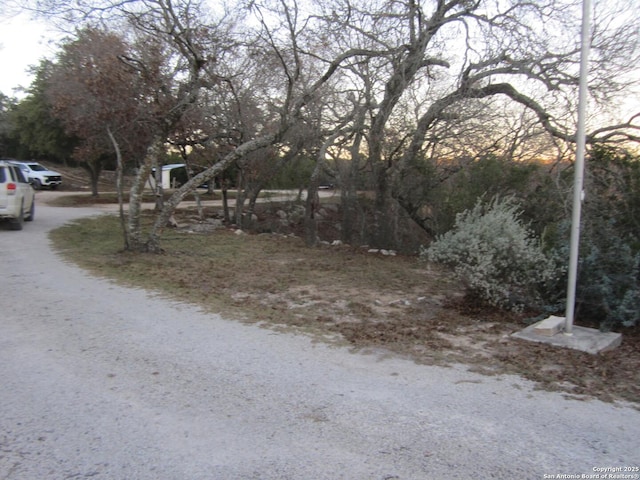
(386, 304)
(219, 267)
(89, 241)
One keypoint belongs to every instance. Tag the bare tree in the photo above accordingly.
(180, 49)
(392, 82)
(443, 61)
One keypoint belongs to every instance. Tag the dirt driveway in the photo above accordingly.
(106, 382)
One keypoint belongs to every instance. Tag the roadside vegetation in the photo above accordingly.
(373, 303)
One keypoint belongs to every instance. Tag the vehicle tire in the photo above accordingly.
(36, 184)
(16, 223)
(32, 213)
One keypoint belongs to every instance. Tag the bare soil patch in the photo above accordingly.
(390, 305)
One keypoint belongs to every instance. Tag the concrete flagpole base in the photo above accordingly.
(551, 331)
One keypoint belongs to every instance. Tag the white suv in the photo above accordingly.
(38, 175)
(17, 197)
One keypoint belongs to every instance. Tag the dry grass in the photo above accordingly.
(341, 294)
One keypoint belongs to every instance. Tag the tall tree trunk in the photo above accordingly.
(159, 187)
(155, 150)
(313, 200)
(225, 202)
(406, 66)
(185, 158)
(93, 169)
(348, 205)
(254, 193)
(349, 176)
(119, 175)
(311, 208)
(95, 177)
(384, 219)
(240, 197)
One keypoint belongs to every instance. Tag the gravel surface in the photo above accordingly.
(104, 382)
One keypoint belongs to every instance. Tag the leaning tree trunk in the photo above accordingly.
(153, 241)
(258, 185)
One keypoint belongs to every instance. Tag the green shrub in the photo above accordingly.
(494, 254)
(608, 290)
(608, 284)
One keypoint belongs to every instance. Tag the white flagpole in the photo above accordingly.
(578, 192)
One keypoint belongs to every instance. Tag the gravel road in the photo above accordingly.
(104, 382)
